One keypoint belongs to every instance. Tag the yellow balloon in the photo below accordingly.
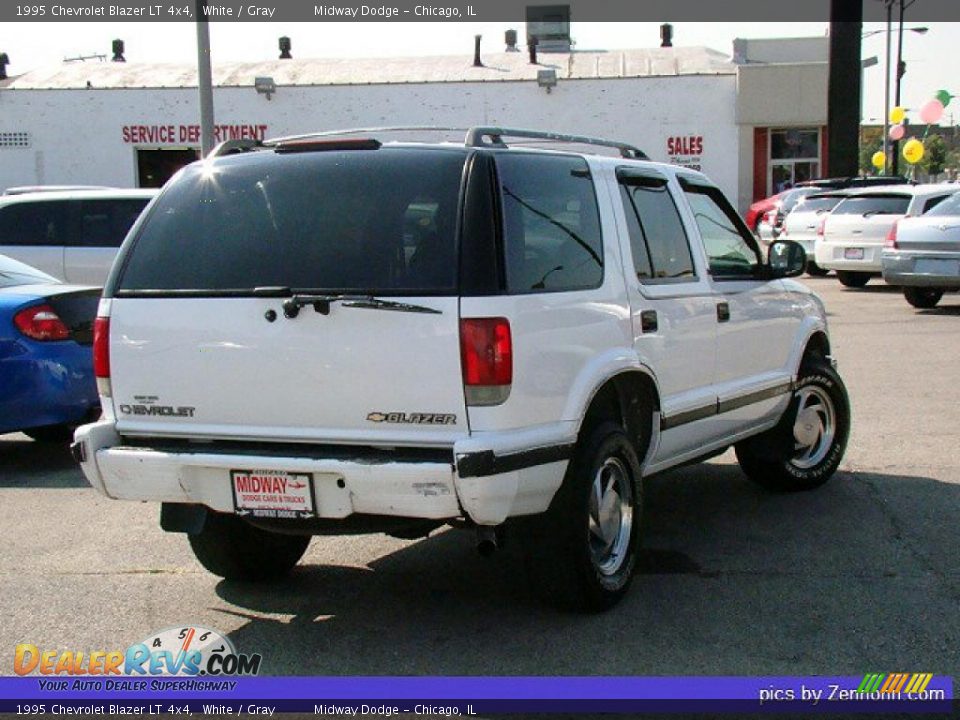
(879, 160)
(897, 115)
(913, 151)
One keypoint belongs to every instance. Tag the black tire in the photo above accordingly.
(59, 434)
(235, 550)
(851, 279)
(773, 459)
(568, 558)
(923, 297)
(814, 270)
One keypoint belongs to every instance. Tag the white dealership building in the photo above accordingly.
(751, 120)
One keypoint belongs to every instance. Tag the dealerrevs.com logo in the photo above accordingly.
(185, 651)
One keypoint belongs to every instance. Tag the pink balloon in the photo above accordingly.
(896, 132)
(931, 111)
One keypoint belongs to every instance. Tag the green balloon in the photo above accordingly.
(944, 97)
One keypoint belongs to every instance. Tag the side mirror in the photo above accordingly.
(785, 259)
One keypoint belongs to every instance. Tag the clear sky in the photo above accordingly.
(932, 58)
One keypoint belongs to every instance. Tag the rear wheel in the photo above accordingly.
(921, 297)
(848, 278)
(235, 550)
(582, 552)
(806, 447)
(815, 270)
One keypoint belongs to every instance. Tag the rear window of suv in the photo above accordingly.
(379, 221)
(873, 205)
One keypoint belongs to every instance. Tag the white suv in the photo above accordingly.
(327, 335)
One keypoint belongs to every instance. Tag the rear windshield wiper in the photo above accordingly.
(321, 303)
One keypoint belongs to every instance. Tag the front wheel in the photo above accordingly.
(235, 550)
(582, 553)
(852, 279)
(804, 450)
(921, 297)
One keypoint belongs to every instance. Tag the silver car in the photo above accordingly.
(922, 254)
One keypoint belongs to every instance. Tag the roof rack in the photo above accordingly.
(479, 136)
(476, 138)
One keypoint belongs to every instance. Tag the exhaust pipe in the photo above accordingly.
(487, 540)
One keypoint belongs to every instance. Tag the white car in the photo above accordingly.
(850, 239)
(801, 223)
(72, 234)
(323, 335)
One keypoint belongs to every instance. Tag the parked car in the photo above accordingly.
(70, 234)
(772, 224)
(850, 239)
(47, 385)
(758, 210)
(801, 223)
(397, 336)
(922, 254)
(858, 181)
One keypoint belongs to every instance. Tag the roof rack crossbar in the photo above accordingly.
(355, 131)
(493, 137)
(232, 147)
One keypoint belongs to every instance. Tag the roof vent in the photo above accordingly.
(118, 51)
(285, 48)
(476, 51)
(510, 38)
(550, 25)
(4, 61)
(666, 35)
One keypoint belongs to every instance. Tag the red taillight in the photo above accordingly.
(486, 355)
(820, 227)
(891, 241)
(101, 347)
(40, 322)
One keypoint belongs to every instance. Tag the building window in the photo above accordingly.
(794, 158)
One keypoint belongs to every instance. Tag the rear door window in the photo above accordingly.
(552, 239)
(34, 223)
(950, 206)
(361, 221)
(873, 205)
(104, 223)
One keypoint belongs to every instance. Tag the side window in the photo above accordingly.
(731, 251)
(931, 203)
(33, 223)
(552, 239)
(659, 244)
(104, 223)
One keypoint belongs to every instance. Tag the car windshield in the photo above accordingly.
(13, 273)
(819, 203)
(873, 205)
(347, 221)
(950, 206)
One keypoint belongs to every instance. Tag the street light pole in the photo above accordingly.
(886, 94)
(895, 149)
(204, 78)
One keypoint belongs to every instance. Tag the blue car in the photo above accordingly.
(47, 386)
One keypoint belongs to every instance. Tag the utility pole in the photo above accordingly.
(843, 93)
(901, 69)
(886, 95)
(204, 78)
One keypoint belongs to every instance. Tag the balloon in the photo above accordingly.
(897, 115)
(879, 160)
(896, 132)
(944, 97)
(931, 111)
(913, 151)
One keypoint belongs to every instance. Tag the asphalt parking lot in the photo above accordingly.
(861, 575)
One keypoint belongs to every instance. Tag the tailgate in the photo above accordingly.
(216, 367)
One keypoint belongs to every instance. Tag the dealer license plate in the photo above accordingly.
(853, 254)
(273, 494)
(932, 266)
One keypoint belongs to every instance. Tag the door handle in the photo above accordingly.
(723, 312)
(648, 321)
